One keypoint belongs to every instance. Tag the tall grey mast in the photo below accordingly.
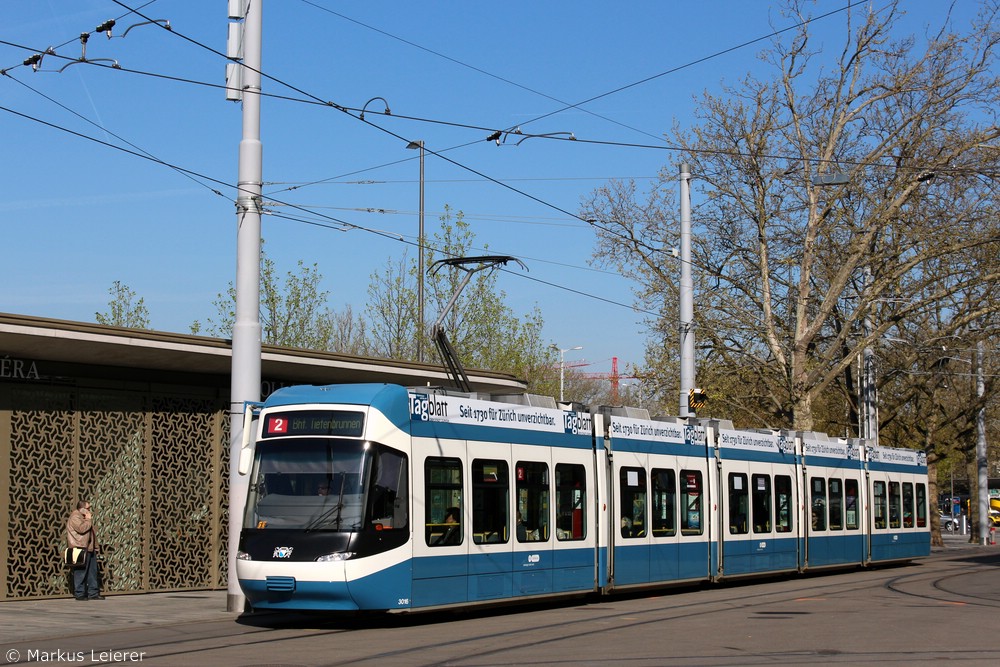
(245, 382)
(686, 295)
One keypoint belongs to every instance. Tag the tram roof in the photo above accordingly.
(42, 339)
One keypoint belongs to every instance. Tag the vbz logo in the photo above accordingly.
(534, 558)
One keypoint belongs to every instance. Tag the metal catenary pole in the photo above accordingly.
(245, 382)
(686, 294)
(981, 463)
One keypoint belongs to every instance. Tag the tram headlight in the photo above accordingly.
(333, 558)
(243, 555)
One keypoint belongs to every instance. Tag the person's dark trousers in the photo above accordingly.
(85, 582)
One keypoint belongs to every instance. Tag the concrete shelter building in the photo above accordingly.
(137, 422)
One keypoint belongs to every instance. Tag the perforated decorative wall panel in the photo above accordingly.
(42, 477)
(181, 553)
(155, 468)
(112, 448)
(222, 532)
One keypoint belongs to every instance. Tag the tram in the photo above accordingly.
(376, 497)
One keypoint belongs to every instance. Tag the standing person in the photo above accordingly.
(80, 534)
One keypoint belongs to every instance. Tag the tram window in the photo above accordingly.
(879, 504)
(818, 503)
(836, 488)
(388, 499)
(443, 493)
(783, 503)
(532, 489)
(490, 501)
(739, 502)
(761, 505)
(921, 506)
(571, 502)
(691, 505)
(851, 504)
(895, 505)
(907, 504)
(312, 484)
(633, 501)
(663, 520)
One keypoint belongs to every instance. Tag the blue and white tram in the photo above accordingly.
(521, 481)
(899, 525)
(759, 501)
(832, 476)
(657, 489)
(375, 497)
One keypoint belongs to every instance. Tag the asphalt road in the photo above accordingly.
(943, 608)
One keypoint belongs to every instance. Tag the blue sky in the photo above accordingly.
(77, 215)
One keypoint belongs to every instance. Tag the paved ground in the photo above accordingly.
(48, 619)
(22, 621)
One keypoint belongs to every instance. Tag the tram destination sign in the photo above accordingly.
(344, 423)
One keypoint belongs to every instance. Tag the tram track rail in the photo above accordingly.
(589, 629)
(952, 587)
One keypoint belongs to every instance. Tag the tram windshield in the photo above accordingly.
(308, 484)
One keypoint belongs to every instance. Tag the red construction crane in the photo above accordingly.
(613, 377)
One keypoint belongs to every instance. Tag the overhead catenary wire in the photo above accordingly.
(326, 221)
(315, 100)
(403, 237)
(181, 170)
(342, 225)
(359, 117)
(467, 215)
(579, 105)
(483, 177)
(72, 40)
(487, 178)
(138, 152)
(439, 153)
(118, 137)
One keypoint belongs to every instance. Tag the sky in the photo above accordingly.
(81, 208)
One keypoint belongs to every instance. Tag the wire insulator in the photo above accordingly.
(106, 27)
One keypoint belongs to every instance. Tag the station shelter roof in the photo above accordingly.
(28, 338)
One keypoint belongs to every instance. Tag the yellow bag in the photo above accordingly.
(74, 557)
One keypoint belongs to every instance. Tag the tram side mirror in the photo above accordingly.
(251, 412)
(246, 460)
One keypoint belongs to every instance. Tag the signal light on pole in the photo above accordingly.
(697, 399)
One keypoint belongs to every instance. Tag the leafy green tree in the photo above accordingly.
(392, 310)
(345, 332)
(485, 331)
(124, 310)
(293, 312)
(292, 316)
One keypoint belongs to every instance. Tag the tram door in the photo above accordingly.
(629, 530)
(492, 521)
(741, 549)
(534, 534)
(441, 493)
(898, 516)
(834, 530)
